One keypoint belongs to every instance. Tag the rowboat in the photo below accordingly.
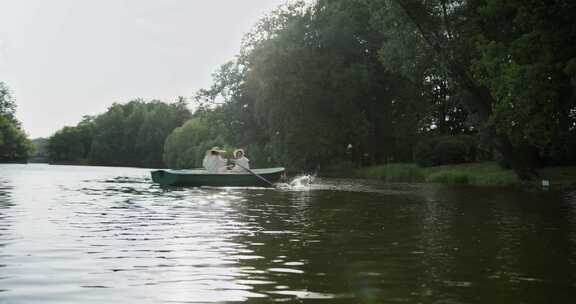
(201, 177)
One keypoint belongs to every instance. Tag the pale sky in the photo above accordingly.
(66, 58)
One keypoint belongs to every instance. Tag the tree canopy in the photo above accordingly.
(130, 134)
(367, 81)
(14, 144)
(344, 83)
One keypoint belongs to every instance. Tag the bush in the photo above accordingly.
(338, 168)
(408, 173)
(446, 150)
(448, 177)
(186, 146)
(488, 173)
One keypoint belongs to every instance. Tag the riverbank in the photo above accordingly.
(21, 161)
(480, 174)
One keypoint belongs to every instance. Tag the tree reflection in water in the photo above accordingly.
(78, 234)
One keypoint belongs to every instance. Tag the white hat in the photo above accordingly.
(216, 149)
(238, 150)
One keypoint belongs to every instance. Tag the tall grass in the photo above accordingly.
(407, 173)
(448, 177)
(473, 174)
(470, 174)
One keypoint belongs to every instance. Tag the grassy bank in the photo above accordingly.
(482, 174)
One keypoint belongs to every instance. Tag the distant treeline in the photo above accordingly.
(343, 83)
(130, 134)
(14, 145)
(40, 154)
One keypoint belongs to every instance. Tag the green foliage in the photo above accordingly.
(131, 134)
(308, 83)
(14, 144)
(527, 63)
(186, 146)
(335, 84)
(446, 150)
(72, 144)
(480, 174)
(7, 104)
(338, 168)
(512, 58)
(406, 173)
(382, 77)
(448, 177)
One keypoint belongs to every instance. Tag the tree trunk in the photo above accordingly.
(483, 101)
(520, 159)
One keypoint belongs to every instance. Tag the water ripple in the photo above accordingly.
(90, 234)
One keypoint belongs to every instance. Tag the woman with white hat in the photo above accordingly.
(241, 163)
(213, 161)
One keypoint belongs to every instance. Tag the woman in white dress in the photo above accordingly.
(241, 163)
(213, 161)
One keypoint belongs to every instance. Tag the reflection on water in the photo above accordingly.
(86, 234)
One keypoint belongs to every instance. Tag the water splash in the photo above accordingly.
(301, 182)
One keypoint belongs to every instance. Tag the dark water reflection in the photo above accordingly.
(82, 234)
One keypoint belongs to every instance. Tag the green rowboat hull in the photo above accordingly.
(199, 177)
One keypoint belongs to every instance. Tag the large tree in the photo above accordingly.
(186, 145)
(7, 104)
(527, 57)
(14, 144)
(72, 144)
(308, 89)
(367, 80)
(477, 44)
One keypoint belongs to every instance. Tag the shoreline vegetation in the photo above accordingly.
(413, 91)
(475, 174)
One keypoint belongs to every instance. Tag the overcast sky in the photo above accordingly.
(66, 58)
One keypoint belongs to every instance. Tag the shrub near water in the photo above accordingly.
(445, 150)
(448, 177)
(473, 174)
(338, 168)
(409, 173)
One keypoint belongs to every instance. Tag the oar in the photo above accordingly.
(255, 174)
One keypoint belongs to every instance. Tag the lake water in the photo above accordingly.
(101, 235)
